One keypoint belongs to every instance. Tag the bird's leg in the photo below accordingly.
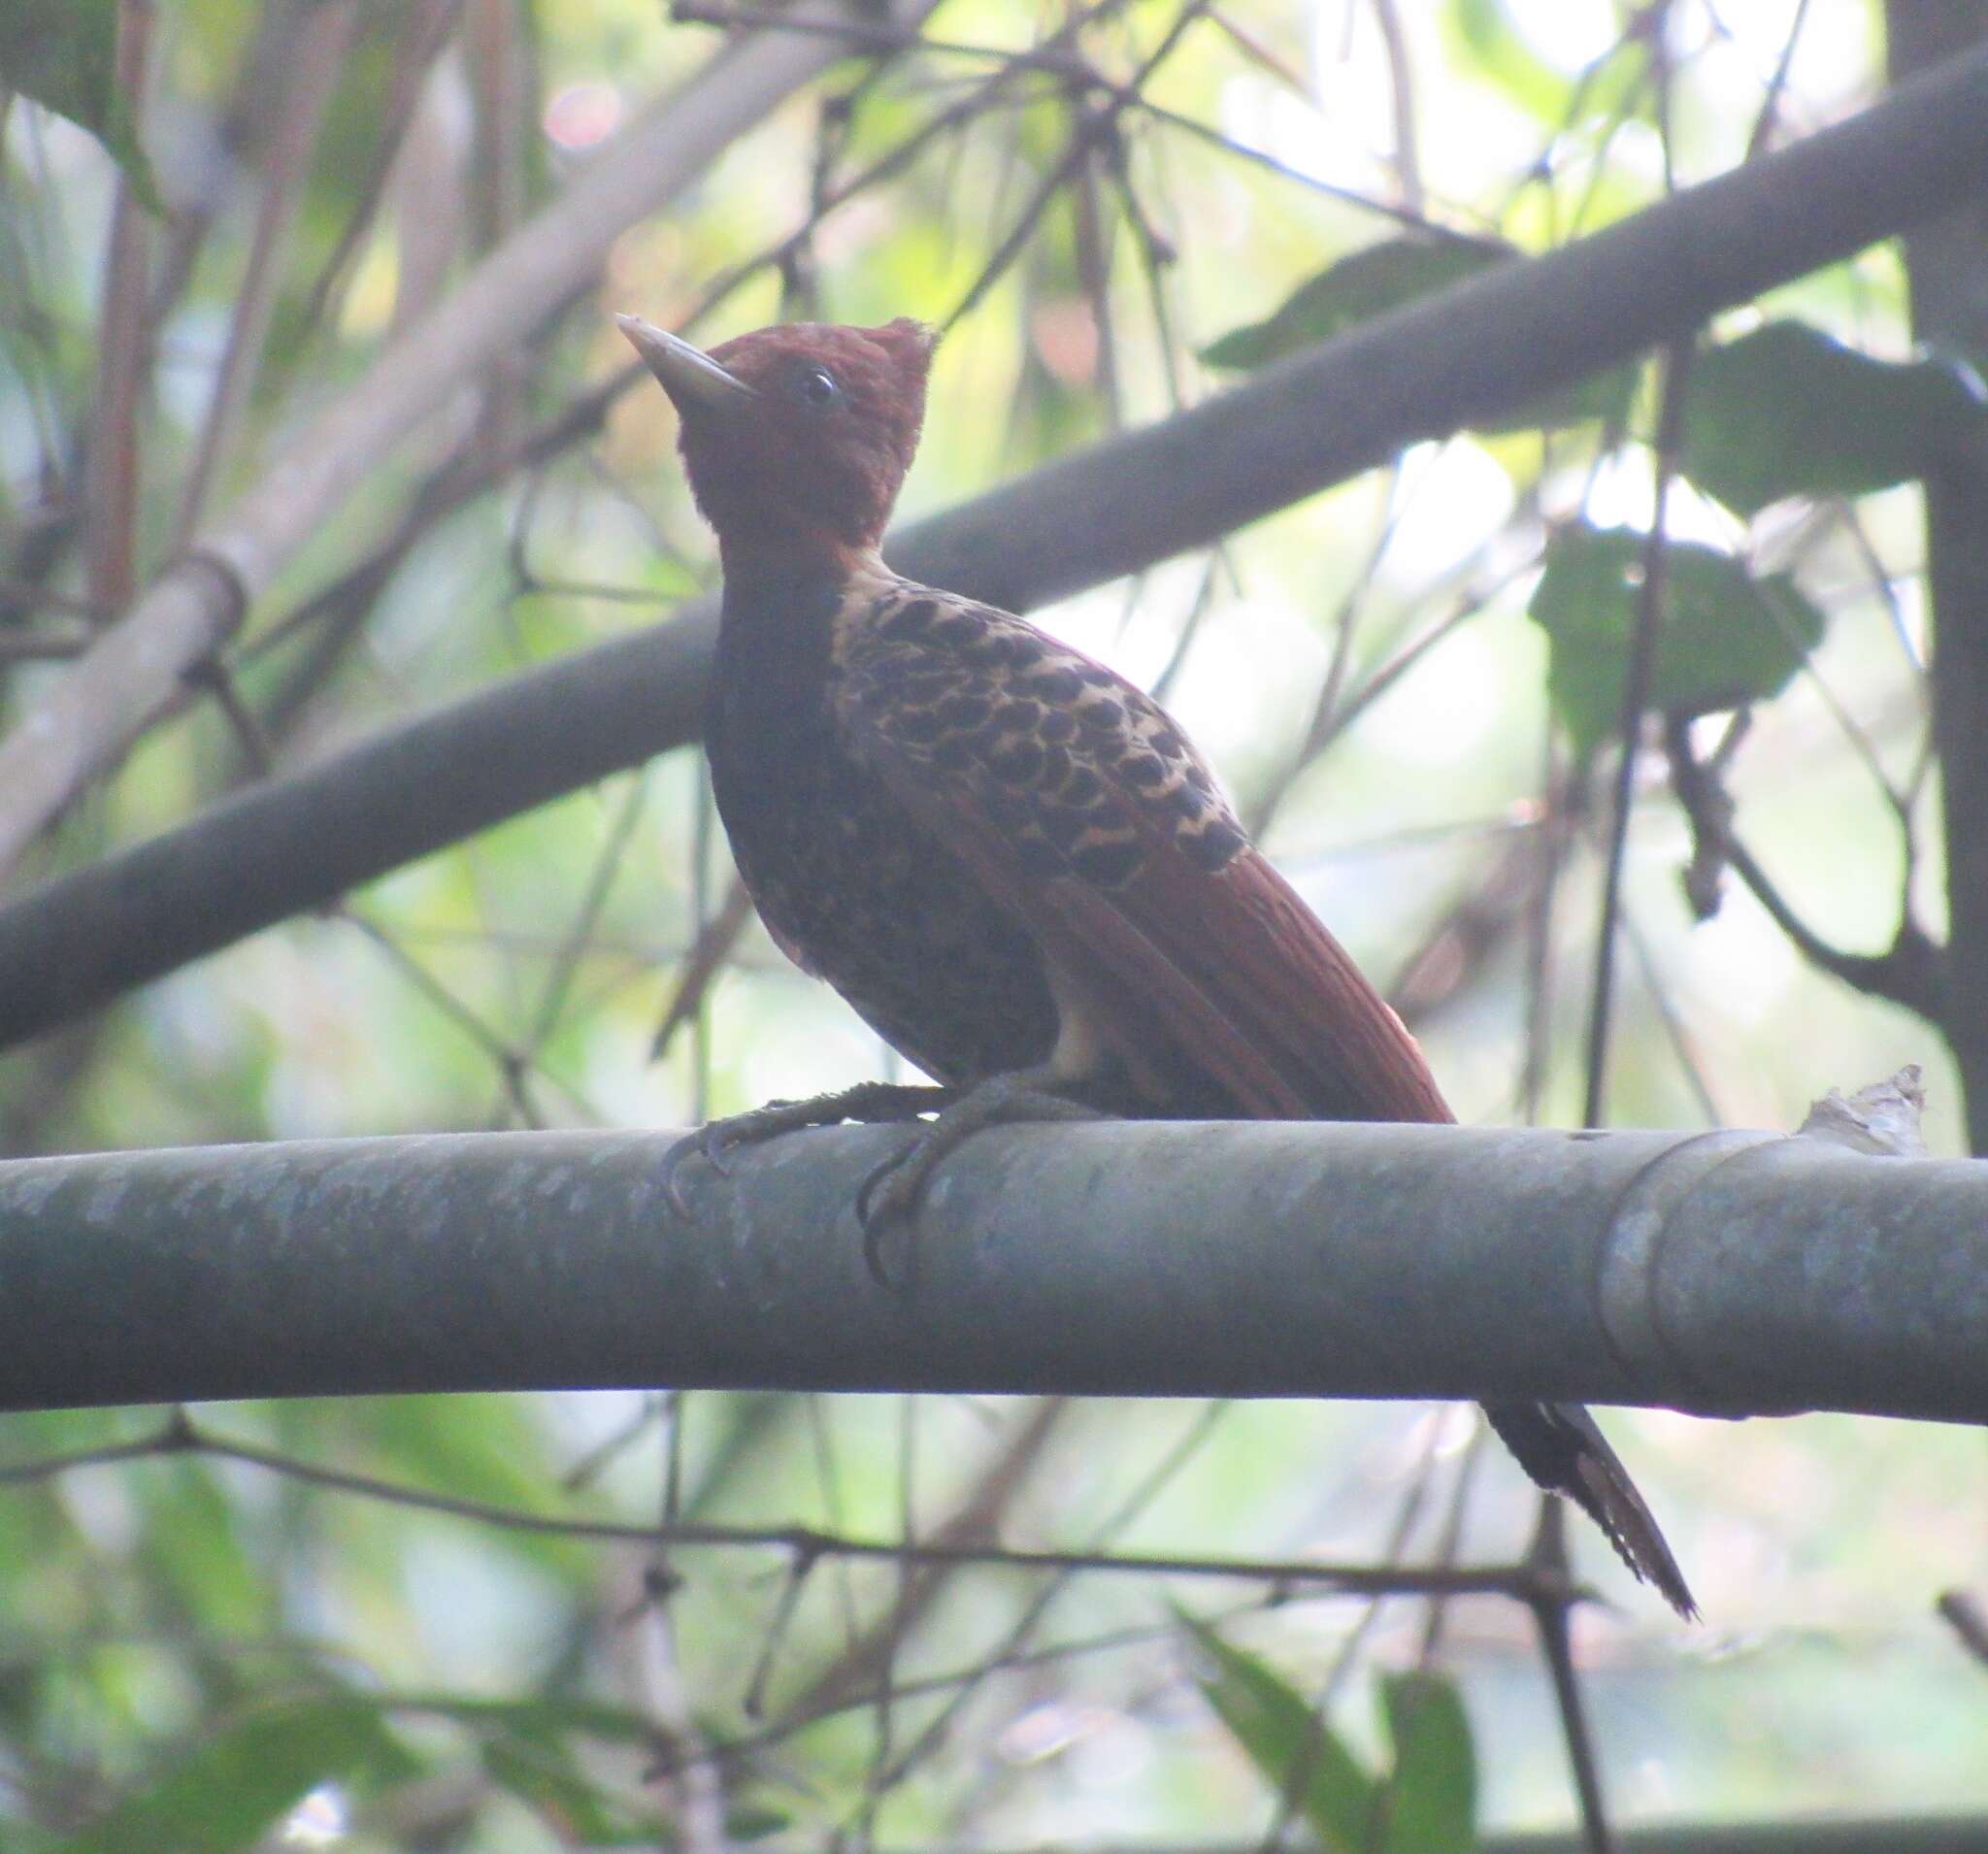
(717, 1141)
(890, 1194)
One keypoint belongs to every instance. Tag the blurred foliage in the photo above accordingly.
(63, 54)
(199, 1651)
(1387, 276)
(1422, 1805)
(1785, 411)
(1355, 289)
(1728, 640)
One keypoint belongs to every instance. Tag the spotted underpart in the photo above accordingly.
(1083, 772)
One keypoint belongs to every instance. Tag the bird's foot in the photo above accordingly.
(717, 1141)
(889, 1197)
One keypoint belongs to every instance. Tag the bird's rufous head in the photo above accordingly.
(796, 437)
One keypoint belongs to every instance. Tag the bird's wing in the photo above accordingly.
(1081, 808)
(1088, 817)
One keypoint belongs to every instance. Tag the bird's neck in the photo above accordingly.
(777, 638)
(760, 564)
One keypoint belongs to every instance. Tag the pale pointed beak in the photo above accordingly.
(689, 376)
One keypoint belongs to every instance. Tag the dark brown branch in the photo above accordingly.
(1911, 971)
(1552, 1607)
(702, 964)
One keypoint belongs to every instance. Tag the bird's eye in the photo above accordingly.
(816, 387)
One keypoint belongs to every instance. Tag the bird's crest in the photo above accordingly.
(796, 437)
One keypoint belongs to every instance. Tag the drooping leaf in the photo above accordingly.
(232, 1788)
(1785, 411)
(1727, 637)
(63, 54)
(1355, 289)
(1432, 1795)
(1288, 1742)
(1384, 276)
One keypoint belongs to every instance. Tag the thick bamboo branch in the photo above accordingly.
(1484, 348)
(1729, 1273)
(86, 724)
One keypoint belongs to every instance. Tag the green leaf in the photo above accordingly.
(1355, 289)
(1286, 1740)
(1432, 1796)
(232, 1788)
(1787, 412)
(1384, 276)
(194, 1544)
(63, 54)
(1727, 639)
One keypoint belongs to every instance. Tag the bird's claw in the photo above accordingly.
(715, 1142)
(671, 1181)
(718, 1142)
(887, 1199)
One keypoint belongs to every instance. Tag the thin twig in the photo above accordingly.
(1963, 1613)
(1911, 971)
(1096, 126)
(315, 64)
(702, 964)
(185, 1436)
(1304, 1763)
(1769, 103)
(1126, 1513)
(1638, 679)
(423, 37)
(1143, 1635)
(1551, 1612)
(112, 465)
(977, 1519)
(89, 720)
(1408, 166)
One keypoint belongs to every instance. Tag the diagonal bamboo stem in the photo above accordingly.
(86, 723)
(1470, 353)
